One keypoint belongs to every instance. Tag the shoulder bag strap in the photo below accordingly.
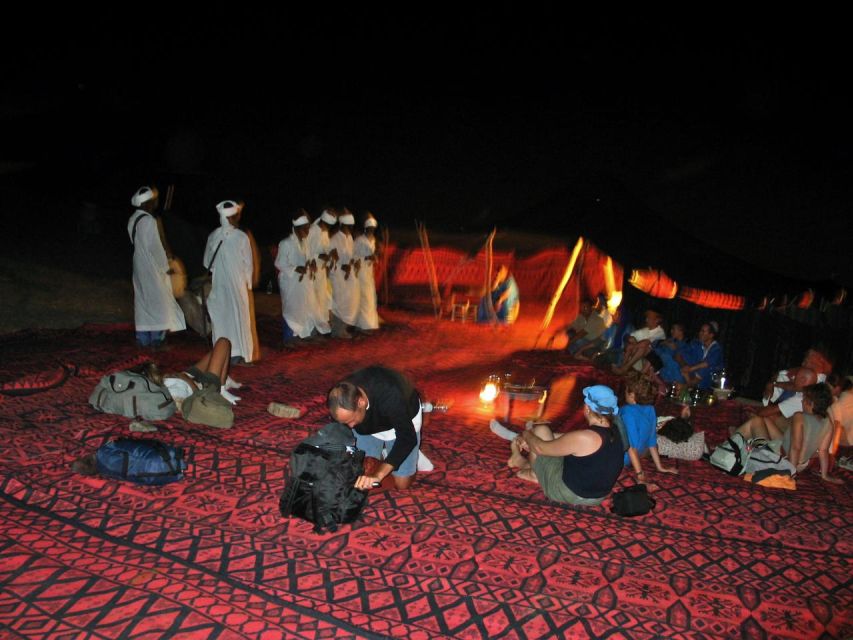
(136, 224)
(208, 267)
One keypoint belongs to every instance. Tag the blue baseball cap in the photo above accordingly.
(601, 399)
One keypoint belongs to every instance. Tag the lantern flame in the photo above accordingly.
(489, 392)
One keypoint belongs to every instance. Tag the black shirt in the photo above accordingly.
(393, 403)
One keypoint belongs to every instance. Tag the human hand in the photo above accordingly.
(367, 482)
(521, 443)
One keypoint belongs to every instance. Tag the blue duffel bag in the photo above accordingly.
(149, 462)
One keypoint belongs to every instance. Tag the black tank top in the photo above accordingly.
(593, 475)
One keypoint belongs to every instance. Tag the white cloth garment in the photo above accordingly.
(345, 293)
(228, 302)
(298, 304)
(318, 243)
(368, 317)
(154, 305)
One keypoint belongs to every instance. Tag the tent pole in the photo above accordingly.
(433, 278)
(490, 307)
(559, 292)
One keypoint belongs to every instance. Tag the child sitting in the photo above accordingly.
(638, 416)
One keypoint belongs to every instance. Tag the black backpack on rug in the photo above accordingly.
(320, 478)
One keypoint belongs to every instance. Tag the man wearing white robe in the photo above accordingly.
(155, 310)
(318, 252)
(229, 256)
(364, 249)
(296, 282)
(345, 294)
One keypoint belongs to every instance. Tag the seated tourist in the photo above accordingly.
(578, 467)
(505, 300)
(783, 409)
(640, 342)
(840, 414)
(783, 385)
(808, 432)
(668, 350)
(584, 332)
(638, 416)
(703, 358)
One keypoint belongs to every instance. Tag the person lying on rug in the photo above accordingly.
(578, 467)
(211, 369)
(809, 431)
(638, 416)
(383, 408)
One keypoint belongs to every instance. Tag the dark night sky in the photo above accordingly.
(729, 129)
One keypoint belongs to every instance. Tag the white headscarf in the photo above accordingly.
(327, 217)
(370, 221)
(301, 220)
(346, 218)
(142, 195)
(226, 209)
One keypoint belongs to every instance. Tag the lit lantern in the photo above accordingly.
(655, 282)
(490, 390)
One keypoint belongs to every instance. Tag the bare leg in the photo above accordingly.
(218, 360)
(404, 483)
(633, 353)
(755, 427)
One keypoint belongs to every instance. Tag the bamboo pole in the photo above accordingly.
(490, 259)
(549, 314)
(433, 278)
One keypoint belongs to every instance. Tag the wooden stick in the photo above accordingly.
(559, 292)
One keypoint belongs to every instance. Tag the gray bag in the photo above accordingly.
(132, 395)
(733, 455)
(206, 406)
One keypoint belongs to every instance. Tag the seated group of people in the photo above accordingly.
(582, 466)
(647, 349)
(807, 408)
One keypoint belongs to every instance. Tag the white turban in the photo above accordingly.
(226, 209)
(328, 218)
(347, 218)
(370, 221)
(301, 220)
(144, 194)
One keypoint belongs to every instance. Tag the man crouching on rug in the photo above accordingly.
(383, 409)
(578, 467)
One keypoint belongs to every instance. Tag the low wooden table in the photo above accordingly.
(527, 393)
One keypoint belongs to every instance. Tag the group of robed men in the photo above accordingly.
(325, 277)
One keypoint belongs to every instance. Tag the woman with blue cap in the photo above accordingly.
(578, 467)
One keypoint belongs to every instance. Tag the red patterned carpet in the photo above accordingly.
(471, 552)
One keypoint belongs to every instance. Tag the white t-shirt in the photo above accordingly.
(652, 335)
(178, 388)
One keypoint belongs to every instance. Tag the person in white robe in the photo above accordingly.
(229, 256)
(319, 253)
(364, 249)
(155, 310)
(296, 281)
(345, 294)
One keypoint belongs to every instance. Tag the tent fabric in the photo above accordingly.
(471, 551)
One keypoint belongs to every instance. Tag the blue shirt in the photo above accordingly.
(641, 423)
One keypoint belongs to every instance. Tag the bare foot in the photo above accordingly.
(527, 474)
(516, 461)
